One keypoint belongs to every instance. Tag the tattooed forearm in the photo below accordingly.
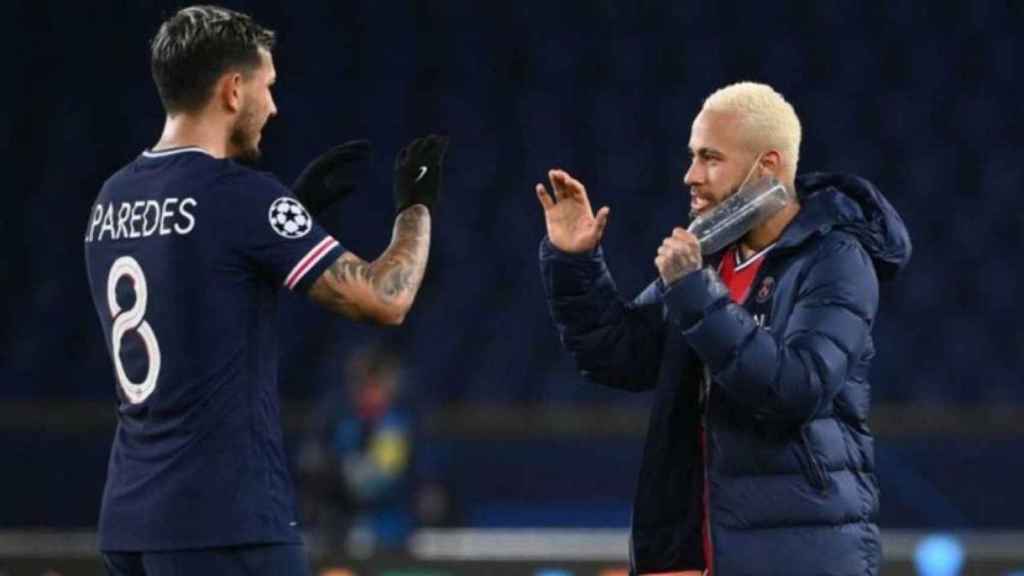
(384, 289)
(350, 270)
(399, 270)
(396, 281)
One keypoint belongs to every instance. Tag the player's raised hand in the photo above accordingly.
(332, 176)
(418, 172)
(572, 225)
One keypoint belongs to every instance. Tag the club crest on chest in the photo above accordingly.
(766, 290)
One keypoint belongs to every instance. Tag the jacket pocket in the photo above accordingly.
(814, 472)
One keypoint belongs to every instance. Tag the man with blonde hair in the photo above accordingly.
(758, 457)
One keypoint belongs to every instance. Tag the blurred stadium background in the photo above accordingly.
(502, 460)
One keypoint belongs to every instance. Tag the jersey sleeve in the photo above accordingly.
(277, 233)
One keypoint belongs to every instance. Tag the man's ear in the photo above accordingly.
(771, 162)
(229, 91)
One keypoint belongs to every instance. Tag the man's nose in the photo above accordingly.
(693, 176)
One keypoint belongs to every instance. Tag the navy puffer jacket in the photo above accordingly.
(766, 403)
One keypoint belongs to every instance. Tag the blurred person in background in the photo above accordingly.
(186, 251)
(355, 466)
(758, 456)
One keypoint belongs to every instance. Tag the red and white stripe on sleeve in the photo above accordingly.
(308, 261)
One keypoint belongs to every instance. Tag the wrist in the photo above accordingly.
(672, 280)
(417, 208)
(583, 267)
(403, 206)
(587, 252)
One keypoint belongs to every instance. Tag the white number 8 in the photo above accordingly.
(132, 319)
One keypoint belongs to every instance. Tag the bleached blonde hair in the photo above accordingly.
(769, 121)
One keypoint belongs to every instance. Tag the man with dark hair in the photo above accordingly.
(193, 47)
(186, 250)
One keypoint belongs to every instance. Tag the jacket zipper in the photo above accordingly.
(705, 435)
(709, 547)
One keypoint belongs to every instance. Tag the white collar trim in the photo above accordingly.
(173, 151)
(752, 259)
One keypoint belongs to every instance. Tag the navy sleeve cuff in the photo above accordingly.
(316, 267)
(548, 251)
(565, 271)
(691, 296)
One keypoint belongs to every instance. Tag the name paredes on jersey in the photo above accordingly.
(141, 219)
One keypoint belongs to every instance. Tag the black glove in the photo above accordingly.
(418, 172)
(332, 175)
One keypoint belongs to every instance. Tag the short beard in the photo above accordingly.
(710, 209)
(243, 140)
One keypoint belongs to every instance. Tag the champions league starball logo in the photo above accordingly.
(289, 219)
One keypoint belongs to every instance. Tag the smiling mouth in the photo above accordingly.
(698, 204)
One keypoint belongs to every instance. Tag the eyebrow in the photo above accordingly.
(705, 151)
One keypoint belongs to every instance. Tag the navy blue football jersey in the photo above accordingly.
(186, 254)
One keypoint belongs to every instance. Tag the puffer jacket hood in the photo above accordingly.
(854, 205)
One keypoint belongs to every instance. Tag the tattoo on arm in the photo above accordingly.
(388, 285)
